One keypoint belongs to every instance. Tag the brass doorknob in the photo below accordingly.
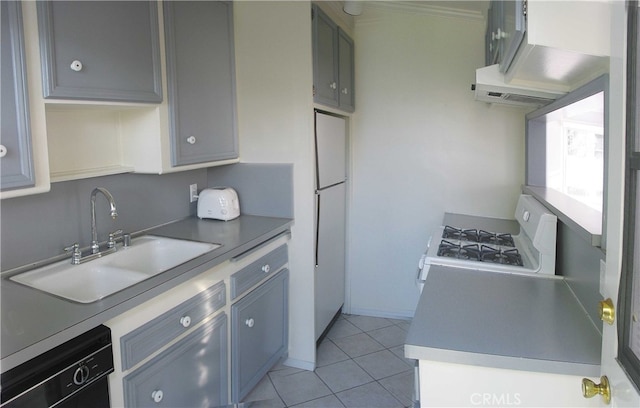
(591, 389)
(607, 311)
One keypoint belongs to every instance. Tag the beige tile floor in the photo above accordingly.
(360, 364)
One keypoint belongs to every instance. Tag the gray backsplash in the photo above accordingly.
(263, 189)
(579, 263)
(38, 227)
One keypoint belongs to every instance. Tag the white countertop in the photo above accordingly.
(498, 320)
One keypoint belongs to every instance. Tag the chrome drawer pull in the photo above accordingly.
(266, 268)
(249, 322)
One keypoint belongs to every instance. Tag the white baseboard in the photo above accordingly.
(401, 314)
(301, 364)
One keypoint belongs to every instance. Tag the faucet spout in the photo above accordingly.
(95, 248)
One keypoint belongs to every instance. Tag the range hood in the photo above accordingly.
(491, 87)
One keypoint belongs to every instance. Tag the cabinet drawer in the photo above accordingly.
(259, 333)
(247, 277)
(146, 339)
(190, 373)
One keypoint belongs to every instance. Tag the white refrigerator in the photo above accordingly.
(331, 177)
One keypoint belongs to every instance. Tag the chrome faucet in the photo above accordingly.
(95, 247)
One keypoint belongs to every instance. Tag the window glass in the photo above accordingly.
(629, 295)
(575, 150)
(632, 314)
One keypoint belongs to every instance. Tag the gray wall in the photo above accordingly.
(579, 263)
(38, 227)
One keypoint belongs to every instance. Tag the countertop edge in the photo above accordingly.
(504, 362)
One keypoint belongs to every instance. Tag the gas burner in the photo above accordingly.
(452, 250)
(486, 237)
(504, 256)
(460, 234)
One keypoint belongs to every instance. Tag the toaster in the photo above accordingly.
(218, 203)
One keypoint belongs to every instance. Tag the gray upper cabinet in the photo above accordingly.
(346, 72)
(100, 50)
(201, 81)
(16, 160)
(333, 63)
(325, 58)
(506, 26)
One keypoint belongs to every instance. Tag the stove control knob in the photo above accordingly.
(526, 215)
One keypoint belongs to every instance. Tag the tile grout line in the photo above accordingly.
(398, 323)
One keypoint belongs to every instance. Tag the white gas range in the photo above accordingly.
(531, 251)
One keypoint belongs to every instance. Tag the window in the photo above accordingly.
(629, 301)
(566, 154)
(575, 133)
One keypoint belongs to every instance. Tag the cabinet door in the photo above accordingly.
(496, 18)
(15, 152)
(259, 333)
(325, 58)
(100, 50)
(191, 373)
(201, 81)
(514, 28)
(346, 72)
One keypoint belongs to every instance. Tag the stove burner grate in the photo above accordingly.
(505, 256)
(487, 237)
(477, 252)
(481, 236)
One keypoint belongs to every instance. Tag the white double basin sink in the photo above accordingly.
(88, 282)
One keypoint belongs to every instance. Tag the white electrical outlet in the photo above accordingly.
(193, 193)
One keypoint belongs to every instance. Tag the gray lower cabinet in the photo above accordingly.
(263, 268)
(190, 373)
(16, 160)
(100, 50)
(201, 81)
(152, 336)
(259, 333)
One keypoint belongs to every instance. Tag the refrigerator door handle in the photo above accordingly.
(317, 226)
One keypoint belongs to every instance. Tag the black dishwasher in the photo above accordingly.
(72, 375)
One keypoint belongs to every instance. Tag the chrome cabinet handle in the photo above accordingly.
(249, 322)
(333, 85)
(266, 268)
(191, 140)
(3, 150)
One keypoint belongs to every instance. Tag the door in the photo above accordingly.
(259, 333)
(201, 81)
(325, 58)
(346, 72)
(623, 392)
(100, 50)
(330, 255)
(330, 150)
